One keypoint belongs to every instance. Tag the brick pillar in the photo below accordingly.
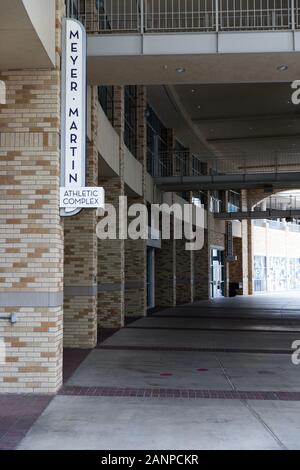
(80, 279)
(111, 254)
(226, 263)
(202, 266)
(250, 257)
(165, 274)
(135, 278)
(184, 273)
(245, 244)
(31, 235)
(236, 267)
(136, 250)
(184, 263)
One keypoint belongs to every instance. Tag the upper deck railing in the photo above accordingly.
(156, 16)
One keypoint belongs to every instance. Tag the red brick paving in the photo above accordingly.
(17, 414)
(178, 393)
(190, 349)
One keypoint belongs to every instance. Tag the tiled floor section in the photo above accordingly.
(19, 412)
(128, 383)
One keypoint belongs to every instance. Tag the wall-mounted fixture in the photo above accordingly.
(12, 318)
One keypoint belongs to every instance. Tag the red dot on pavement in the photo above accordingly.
(202, 370)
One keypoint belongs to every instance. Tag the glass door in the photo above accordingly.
(217, 273)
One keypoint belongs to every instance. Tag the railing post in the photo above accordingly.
(217, 14)
(142, 16)
(293, 15)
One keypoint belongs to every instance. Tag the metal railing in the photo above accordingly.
(171, 163)
(182, 163)
(152, 16)
(255, 14)
(253, 164)
(12, 317)
(279, 202)
(111, 16)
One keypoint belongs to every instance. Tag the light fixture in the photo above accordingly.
(180, 70)
(282, 68)
(193, 90)
(199, 107)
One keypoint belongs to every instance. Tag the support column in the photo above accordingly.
(136, 250)
(250, 257)
(31, 234)
(184, 261)
(80, 279)
(236, 267)
(135, 277)
(184, 273)
(111, 254)
(245, 244)
(202, 266)
(165, 274)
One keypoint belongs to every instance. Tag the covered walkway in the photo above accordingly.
(215, 374)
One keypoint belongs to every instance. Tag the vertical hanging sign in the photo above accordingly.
(74, 195)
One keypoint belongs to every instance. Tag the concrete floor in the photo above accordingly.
(240, 344)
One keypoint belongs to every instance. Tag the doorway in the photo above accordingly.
(217, 273)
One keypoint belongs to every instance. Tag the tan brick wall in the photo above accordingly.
(202, 270)
(184, 273)
(136, 250)
(165, 274)
(80, 264)
(31, 235)
(111, 253)
(135, 278)
(236, 267)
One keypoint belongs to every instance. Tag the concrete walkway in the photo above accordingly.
(212, 375)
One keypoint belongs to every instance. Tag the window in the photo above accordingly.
(130, 125)
(234, 201)
(106, 100)
(260, 273)
(72, 8)
(216, 201)
(156, 142)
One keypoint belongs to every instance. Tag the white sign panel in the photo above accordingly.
(73, 120)
(89, 197)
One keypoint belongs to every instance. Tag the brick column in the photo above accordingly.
(185, 263)
(135, 278)
(31, 235)
(136, 250)
(245, 244)
(165, 274)
(80, 280)
(236, 267)
(250, 257)
(111, 254)
(184, 273)
(202, 270)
